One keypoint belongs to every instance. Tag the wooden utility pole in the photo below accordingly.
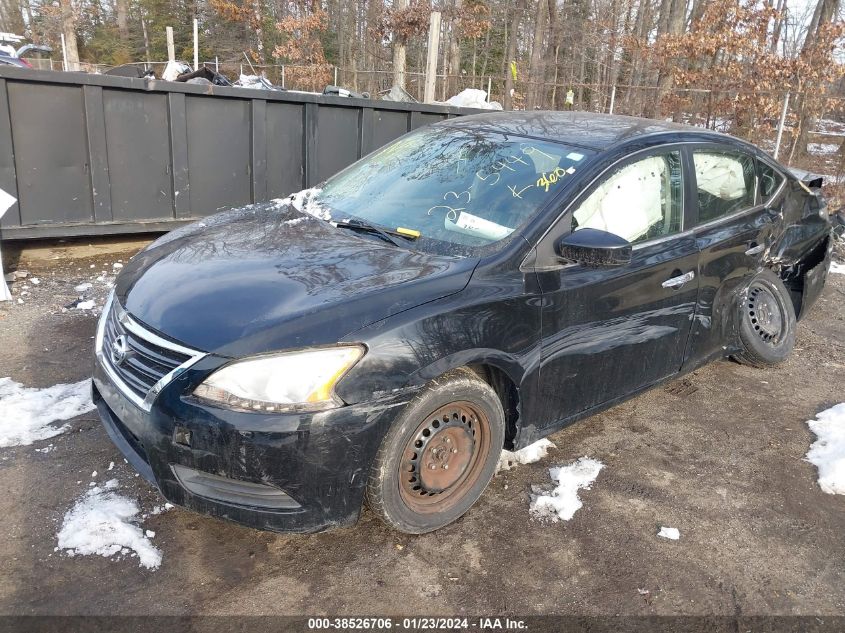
(431, 62)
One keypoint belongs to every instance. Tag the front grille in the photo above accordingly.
(137, 357)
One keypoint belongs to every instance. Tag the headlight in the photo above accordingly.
(291, 381)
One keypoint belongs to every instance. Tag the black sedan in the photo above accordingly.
(474, 285)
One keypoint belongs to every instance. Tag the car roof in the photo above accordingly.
(585, 129)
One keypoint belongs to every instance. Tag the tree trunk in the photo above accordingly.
(455, 49)
(399, 52)
(535, 72)
(673, 24)
(518, 8)
(11, 17)
(122, 12)
(640, 31)
(146, 40)
(778, 27)
(69, 30)
(824, 13)
(258, 25)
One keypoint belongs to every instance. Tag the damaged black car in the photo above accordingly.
(472, 286)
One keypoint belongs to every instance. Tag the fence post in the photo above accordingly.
(612, 99)
(196, 47)
(335, 75)
(64, 53)
(171, 49)
(283, 75)
(431, 62)
(6, 202)
(489, 88)
(781, 123)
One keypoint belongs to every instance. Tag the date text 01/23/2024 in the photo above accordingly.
(416, 623)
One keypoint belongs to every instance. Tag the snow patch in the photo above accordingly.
(304, 201)
(563, 502)
(473, 98)
(822, 148)
(85, 305)
(83, 287)
(836, 267)
(158, 510)
(104, 523)
(827, 453)
(528, 455)
(27, 414)
(669, 532)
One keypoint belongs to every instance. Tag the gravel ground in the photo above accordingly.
(717, 454)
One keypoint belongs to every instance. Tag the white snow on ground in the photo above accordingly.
(85, 305)
(827, 453)
(528, 455)
(83, 287)
(670, 533)
(831, 127)
(822, 148)
(836, 267)
(27, 414)
(563, 502)
(104, 522)
(304, 201)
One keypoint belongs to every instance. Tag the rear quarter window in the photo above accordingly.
(770, 181)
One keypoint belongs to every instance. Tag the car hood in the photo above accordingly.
(267, 277)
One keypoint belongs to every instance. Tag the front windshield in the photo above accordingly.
(456, 187)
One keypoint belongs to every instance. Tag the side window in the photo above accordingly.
(640, 201)
(726, 183)
(770, 180)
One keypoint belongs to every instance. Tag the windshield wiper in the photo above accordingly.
(385, 234)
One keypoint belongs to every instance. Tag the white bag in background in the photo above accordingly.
(6, 202)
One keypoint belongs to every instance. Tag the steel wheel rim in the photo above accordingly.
(444, 458)
(766, 313)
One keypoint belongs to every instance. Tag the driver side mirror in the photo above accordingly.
(592, 247)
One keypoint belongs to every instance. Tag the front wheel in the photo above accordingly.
(439, 455)
(767, 322)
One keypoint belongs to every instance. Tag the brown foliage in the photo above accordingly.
(729, 53)
(304, 50)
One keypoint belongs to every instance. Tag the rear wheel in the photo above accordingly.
(767, 322)
(439, 455)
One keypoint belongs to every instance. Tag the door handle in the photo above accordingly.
(755, 249)
(680, 280)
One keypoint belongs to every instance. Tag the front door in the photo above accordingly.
(608, 332)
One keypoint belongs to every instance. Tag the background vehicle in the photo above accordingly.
(12, 53)
(483, 283)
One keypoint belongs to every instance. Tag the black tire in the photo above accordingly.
(455, 420)
(766, 322)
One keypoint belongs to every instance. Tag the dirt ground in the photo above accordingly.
(717, 454)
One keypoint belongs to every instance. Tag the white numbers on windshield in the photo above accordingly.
(493, 175)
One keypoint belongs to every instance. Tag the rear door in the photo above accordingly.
(738, 208)
(608, 332)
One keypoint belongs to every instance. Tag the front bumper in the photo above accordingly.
(320, 461)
